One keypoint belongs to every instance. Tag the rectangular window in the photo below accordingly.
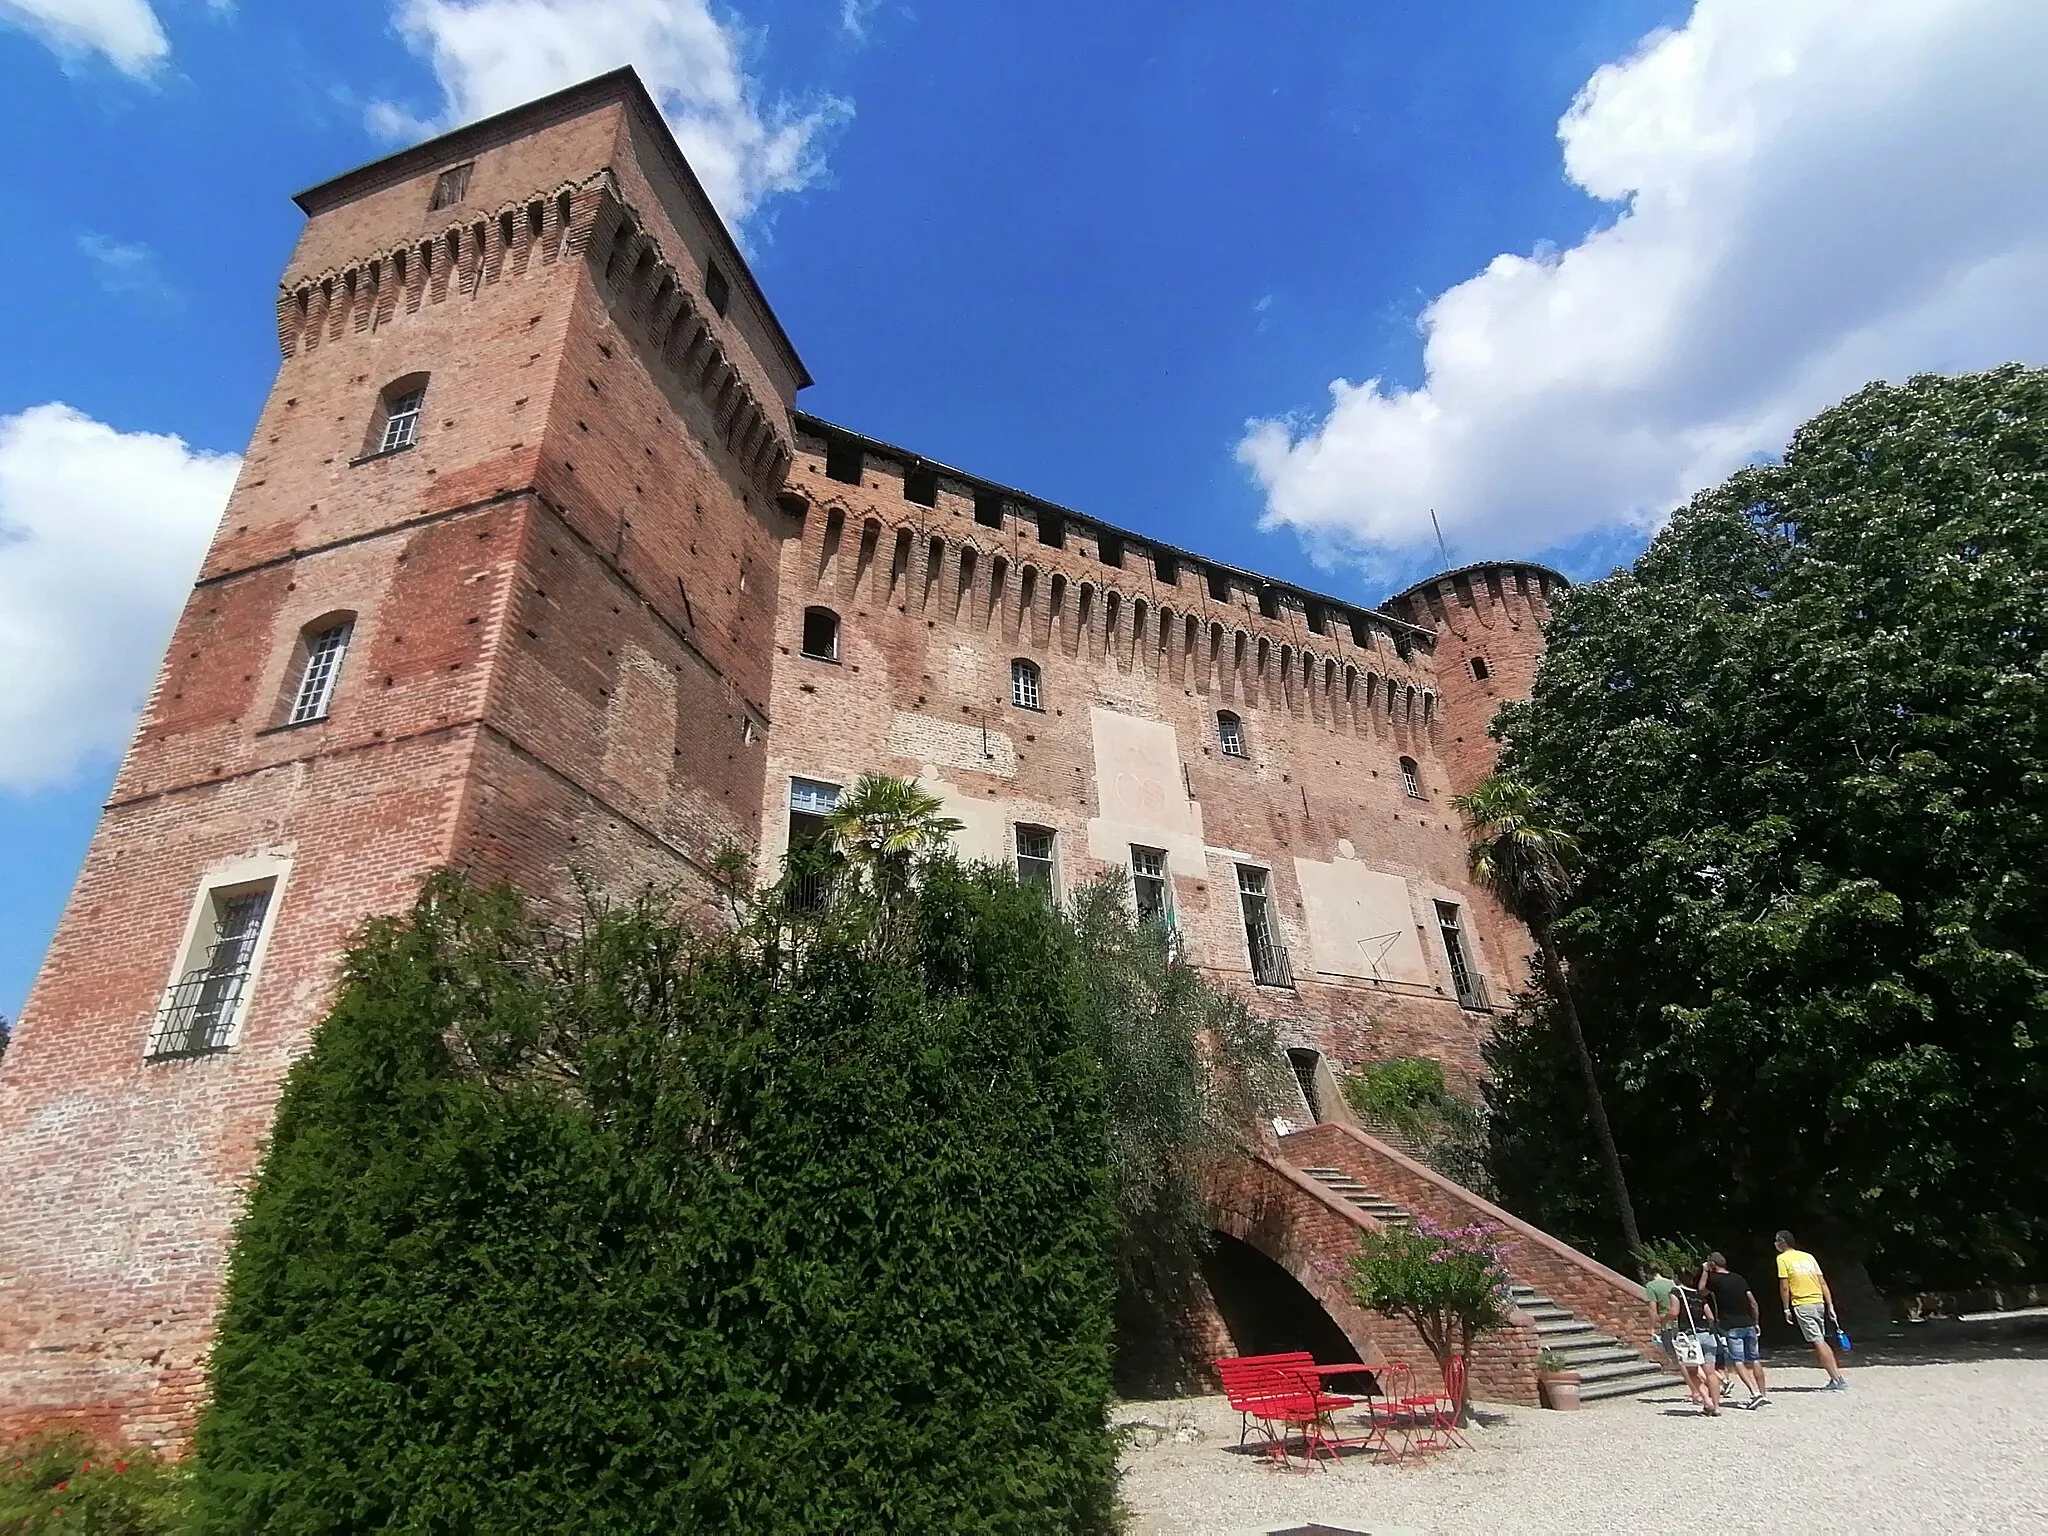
(1052, 529)
(451, 187)
(988, 509)
(324, 653)
(1036, 858)
(1150, 888)
(402, 421)
(1361, 632)
(921, 486)
(844, 461)
(1165, 569)
(1219, 586)
(1269, 956)
(1316, 622)
(1464, 979)
(1109, 549)
(717, 290)
(1411, 780)
(200, 1012)
(1479, 668)
(1269, 603)
(809, 860)
(1024, 686)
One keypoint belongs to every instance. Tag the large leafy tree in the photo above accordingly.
(1803, 745)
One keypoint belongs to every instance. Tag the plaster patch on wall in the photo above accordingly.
(984, 823)
(952, 744)
(1361, 922)
(1141, 794)
(640, 727)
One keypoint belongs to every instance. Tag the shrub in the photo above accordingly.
(63, 1482)
(1409, 1097)
(1450, 1282)
(618, 1230)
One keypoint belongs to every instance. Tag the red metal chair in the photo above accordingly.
(1247, 1380)
(1435, 1417)
(1391, 1414)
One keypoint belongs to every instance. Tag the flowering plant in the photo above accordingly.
(1450, 1282)
(62, 1482)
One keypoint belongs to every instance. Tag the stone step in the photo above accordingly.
(1632, 1382)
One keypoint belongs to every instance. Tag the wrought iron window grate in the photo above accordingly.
(1270, 967)
(198, 1016)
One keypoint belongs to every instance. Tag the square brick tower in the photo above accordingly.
(497, 589)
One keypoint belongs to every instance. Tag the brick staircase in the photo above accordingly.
(1607, 1367)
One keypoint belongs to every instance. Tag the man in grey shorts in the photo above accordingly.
(1808, 1301)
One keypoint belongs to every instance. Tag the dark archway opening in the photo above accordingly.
(1267, 1310)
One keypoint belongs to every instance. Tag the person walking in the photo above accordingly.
(1736, 1320)
(1803, 1290)
(1697, 1349)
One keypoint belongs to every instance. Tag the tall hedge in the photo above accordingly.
(621, 1231)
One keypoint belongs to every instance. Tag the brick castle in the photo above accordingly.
(533, 565)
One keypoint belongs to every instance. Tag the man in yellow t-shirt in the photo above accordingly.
(1804, 1291)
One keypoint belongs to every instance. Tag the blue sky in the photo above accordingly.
(1116, 255)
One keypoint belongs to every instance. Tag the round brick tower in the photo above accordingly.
(1489, 621)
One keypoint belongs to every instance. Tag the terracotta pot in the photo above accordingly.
(1560, 1390)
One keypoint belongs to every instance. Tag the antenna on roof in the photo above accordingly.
(1440, 549)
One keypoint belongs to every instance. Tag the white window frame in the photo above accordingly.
(1164, 875)
(223, 882)
(1027, 684)
(1231, 741)
(816, 805)
(1411, 778)
(1050, 859)
(320, 671)
(401, 427)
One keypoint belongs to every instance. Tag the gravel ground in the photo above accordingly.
(1946, 1432)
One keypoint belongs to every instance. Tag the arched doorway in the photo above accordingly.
(1265, 1309)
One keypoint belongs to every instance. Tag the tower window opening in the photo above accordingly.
(1052, 529)
(1479, 668)
(1109, 549)
(1026, 690)
(1269, 603)
(400, 423)
(1151, 891)
(1464, 980)
(451, 187)
(318, 673)
(1361, 632)
(1230, 734)
(1165, 569)
(988, 509)
(1411, 780)
(1219, 586)
(821, 634)
(844, 461)
(1268, 955)
(1036, 857)
(921, 485)
(204, 1003)
(810, 863)
(717, 289)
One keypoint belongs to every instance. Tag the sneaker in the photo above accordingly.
(1761, 1400)
(1838, 1385)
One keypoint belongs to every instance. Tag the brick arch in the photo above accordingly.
(1264, 1209)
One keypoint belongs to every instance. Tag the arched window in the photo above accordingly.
(323, 645)
(1411, 780)
(1025, 689)
(821, 634)
(1230, 734)
(397, 423)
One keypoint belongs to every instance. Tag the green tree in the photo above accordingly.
(1803, 744)
(1186, 1067)
(1452, 1283)
(1526, 861)
(620, 1229)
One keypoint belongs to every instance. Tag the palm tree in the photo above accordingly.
(882, 826)
(1528, 866)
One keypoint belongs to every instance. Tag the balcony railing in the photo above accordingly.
(1269, 960)
(198, 1017)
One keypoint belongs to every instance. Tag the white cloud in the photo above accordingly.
(493, 54)
(100, 535)
(1811, 194)
(126, 31)
(853, 17)
(129, 271)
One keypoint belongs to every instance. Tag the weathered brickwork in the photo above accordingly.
(576, 597)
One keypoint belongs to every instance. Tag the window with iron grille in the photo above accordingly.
(1230, 734)
(324, 653)
(1025, 691)
(1269, 955)
(451, 187)
(200, 1011)
(401, 421)
(1150, 889)
(1464, 979)
(1410, 780)
(1036, 857)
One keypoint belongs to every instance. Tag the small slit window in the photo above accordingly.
(1411, 781)
(1269, 603)
(1109, 549)
(717, 289)
(1219, 586)
(1361, 632)
(450, 187)
(1165, 569)
(821, 634)
(1052, 529)
(1026, 691)
(1230, 734)
(325, 649)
